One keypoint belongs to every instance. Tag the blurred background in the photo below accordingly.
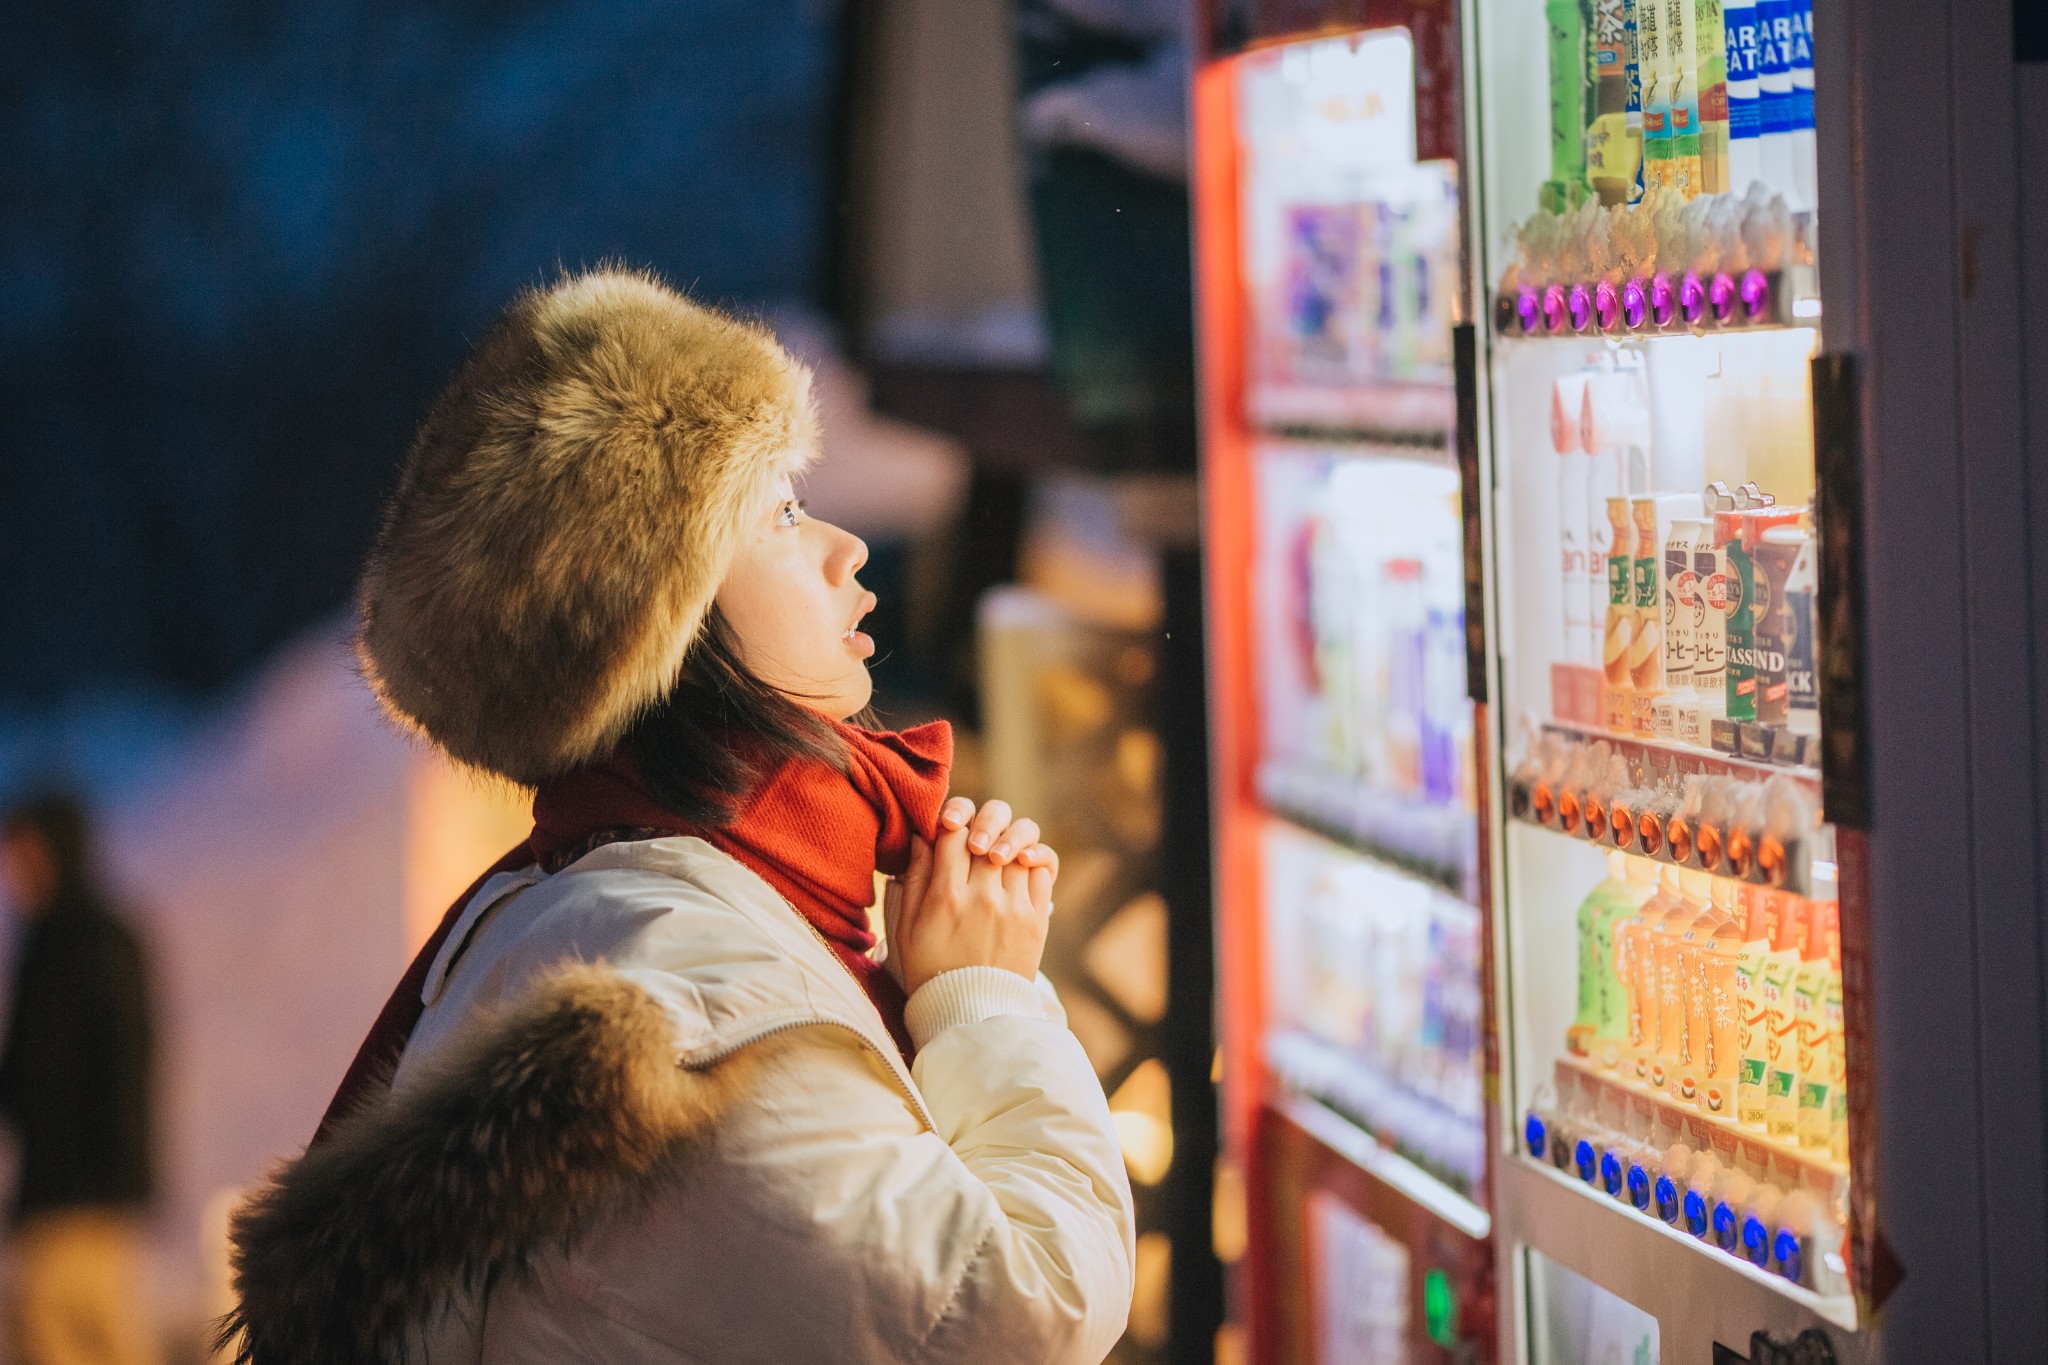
(242, 247)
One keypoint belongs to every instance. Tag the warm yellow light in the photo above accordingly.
(1142, 1109)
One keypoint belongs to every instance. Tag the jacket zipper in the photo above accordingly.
(892, 1067)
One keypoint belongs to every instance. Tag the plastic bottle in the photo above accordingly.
(1820, 1039)
(1696, 1203)
(1711, 38)
(1692, 979)
(1660, 80)
(1731, 1191)
(1720, 964)
(1738, 23)
(1613, 147)
(1665, 936)
(1758, 1220)
(1667, 1190)
(1407, 623)
(1446, 715)
(1753, 1058)
(1594, 964)
(1774, 95)
(1565, 23)
(1637, 959)
(1781, 1021)
(1681, 37)
(1802, 196)
(1808, 1246)
(1580, 626)
(1639, 884)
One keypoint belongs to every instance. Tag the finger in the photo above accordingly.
(1017, 887)
(892, 929)
(892, 912)
(955, 814)
(992, 819)
(950, 860)
(1021, 834)
(917, 878)
(1041, 890)
(1041, 855)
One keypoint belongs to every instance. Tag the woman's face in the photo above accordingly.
(794, 607)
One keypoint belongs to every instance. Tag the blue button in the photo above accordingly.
(1583, 1156)
(1725, 1231)
(1791, 1264)
(1639, 1187)
(1610, 1174)
(1667, 1200)
(1536, 1135)
(1695, 1213)
(1756, 1241)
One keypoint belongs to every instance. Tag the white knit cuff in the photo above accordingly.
(968, 995)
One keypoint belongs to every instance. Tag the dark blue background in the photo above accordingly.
(240, 243)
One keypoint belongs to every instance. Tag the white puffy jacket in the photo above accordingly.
(648, 1116)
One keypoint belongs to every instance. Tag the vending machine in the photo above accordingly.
(1351, 920)
(1766, 989)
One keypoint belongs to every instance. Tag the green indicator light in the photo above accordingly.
(1440, 1309)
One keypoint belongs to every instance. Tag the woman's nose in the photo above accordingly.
(844, 559)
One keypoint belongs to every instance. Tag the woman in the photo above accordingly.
(656, 1098)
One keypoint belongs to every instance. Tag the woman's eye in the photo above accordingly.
(792, 513)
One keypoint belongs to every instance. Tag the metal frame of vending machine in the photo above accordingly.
(1352, 1182)
(1932, 571)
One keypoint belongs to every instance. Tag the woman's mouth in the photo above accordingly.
(857, 639)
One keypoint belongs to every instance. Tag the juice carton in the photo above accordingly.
(1681, 627)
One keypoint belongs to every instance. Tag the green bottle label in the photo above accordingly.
(1781, 1085)
(1617, 579)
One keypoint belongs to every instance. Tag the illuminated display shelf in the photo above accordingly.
(1761, 1247)
(1434, 842)
(1746, 854)
(1373, 1111)
(1675, 304)
(1686, 760)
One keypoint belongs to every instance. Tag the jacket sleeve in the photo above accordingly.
(1019, 1105)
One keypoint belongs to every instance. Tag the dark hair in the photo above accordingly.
(57, 820)
(704, 747)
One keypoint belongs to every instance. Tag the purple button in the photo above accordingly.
(1635, 304)
(1692, 300)
(1722, 295)
(1529, 310)
(1580, 304)
(1607, 306)
(1556, 312)
(1663, 301)
(1505, 320)
(1756, 295)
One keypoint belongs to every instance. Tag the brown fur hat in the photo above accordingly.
(566, 515)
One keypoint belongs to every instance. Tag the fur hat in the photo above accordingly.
(566, 514)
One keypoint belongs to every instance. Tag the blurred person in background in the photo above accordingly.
(660, 1094)
(75, 1087)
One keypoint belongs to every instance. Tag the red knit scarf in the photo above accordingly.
(815, 834)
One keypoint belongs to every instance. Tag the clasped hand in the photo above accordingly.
(979, 896)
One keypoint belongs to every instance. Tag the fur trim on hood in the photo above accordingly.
(567, 512)
(542, 1120)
